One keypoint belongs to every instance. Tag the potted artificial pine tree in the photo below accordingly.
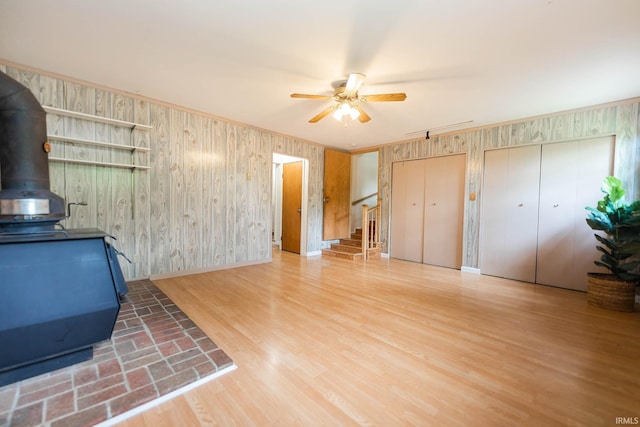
(620, 247)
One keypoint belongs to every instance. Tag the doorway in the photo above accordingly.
(289, 203)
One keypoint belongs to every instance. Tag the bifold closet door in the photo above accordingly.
(443, 210)
(509, 223)
(571, 175)
(407, 210)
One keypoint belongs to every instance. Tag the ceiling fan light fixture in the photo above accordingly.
(347, 98)
(354, 113)
(345, 109)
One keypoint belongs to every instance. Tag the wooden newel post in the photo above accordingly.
(365, 231)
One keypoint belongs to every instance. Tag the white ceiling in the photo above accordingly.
(457, 60)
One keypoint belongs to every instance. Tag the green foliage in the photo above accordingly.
(620, 222)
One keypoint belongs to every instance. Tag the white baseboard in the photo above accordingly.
(383, 255)
(313, 253)
(181, 273)
(465, 269)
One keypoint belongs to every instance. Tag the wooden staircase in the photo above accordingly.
(352, 248)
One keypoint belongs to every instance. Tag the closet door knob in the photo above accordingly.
(521, 205)
(555, 206)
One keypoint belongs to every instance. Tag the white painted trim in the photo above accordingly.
(312, 253)
(465, 269)
(140, 409)
(384, 255)
(304, 223)
(206, 269)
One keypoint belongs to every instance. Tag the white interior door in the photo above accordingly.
(509, 221)
(570, 179)
(443, 210)
(407, 210)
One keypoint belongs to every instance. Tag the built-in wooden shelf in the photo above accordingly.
(96, 163)
(97, 119)
(96, 143)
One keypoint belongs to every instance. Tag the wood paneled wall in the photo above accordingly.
(622, 120)
(205, 202)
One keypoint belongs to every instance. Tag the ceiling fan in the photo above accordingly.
(347, 100)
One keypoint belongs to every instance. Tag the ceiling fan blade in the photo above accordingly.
(353, 84)
(384, 97)
(363, 117)
(322, 115)
(307, 96)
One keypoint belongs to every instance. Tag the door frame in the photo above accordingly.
(278, 160)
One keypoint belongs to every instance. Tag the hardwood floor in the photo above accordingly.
(326, 341)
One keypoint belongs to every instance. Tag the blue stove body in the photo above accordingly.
(59, 295)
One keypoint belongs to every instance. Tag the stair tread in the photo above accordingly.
(342, 252)
(346, 248)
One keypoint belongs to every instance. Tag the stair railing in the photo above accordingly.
(370, 230)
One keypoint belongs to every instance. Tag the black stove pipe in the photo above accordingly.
(24, 166)
(23, 131)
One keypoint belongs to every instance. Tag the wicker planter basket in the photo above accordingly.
(608, 292)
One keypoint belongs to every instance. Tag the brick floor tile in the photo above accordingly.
(103, 349)
(133, 322)
(187, 324)
(85, 375)
(138, 378)
(207, 345)
(160, 369)
(168, 348)
(157, 309)
(7, 396)
(59, 406)
(196, 333)
(190, 363)
(171, 308)
(206, 368)
(125, 347)
(28, 398)
(185, 343)
(220, 358)
(142, 311)
(177, 358)
(166, 338)
(176, 381)
(120, 325)
(101, 396)
(138, 354)
(142, 361)
(28, 416)
(126, 306)
(101, 384)
(109, 367)
(180, 316)
(88, 417)
(143, 341)
(125, 334)
(44, 381)
(132, 399)
(159, 321)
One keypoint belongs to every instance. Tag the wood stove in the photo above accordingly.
(58, 288)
